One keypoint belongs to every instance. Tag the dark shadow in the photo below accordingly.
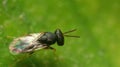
(32, 61)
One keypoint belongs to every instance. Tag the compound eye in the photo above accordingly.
(60, 37)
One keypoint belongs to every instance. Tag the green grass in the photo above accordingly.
(96, 21)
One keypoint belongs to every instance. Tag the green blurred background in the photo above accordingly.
(96, 21)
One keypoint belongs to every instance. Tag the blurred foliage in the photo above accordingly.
(96, 21)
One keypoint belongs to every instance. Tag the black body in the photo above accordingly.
(51, 38)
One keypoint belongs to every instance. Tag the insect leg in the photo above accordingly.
(48, 47)
(52, 49)
(31, 53)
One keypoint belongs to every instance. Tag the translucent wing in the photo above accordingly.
(26, 44)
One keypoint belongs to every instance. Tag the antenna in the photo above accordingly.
(65, 33)
(70, 31)
(72, 36)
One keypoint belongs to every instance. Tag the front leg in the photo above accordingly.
(51, 48)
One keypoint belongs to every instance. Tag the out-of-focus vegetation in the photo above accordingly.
(97, 22)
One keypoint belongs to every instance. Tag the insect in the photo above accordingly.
(37, 41)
